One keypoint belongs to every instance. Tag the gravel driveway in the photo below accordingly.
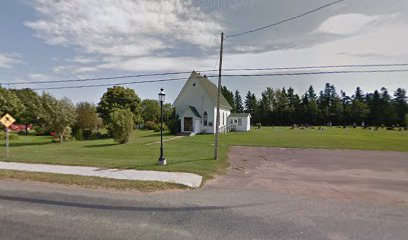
(338, 174)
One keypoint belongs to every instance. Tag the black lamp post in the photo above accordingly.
(162, 159)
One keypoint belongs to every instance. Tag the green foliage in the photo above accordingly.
(65, 116)
(33, 110)
(66, 134)
(57, 115)
(87, 118)
(117, 98)
(157, 128)
(228, 95)
(122, 125)
(285, 107)
(150, 110)
(237, 107)
(10, 103)
(406, 120)
(174, 125)
(168, 112)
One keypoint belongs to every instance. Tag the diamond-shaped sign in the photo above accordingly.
(7, 120)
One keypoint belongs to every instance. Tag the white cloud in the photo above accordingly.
(7, 60)
(39, 76)
(81, 59)
(346, 24)
(124, 28)
(160, 64)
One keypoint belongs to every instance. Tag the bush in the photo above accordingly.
(88, 134)
(122, 125)
(78, 134)
(67, 134)
(174, 125)
(157, 128)
(150, 125)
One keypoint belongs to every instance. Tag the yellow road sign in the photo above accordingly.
(7, 120)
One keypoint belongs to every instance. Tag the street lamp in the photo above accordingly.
(162, 159)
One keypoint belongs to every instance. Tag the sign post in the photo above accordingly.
(7, 120)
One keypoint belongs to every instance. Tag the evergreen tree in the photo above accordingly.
(228, 95)
(238, 108)
(400, 105)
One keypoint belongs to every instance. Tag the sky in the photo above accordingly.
(43, 40)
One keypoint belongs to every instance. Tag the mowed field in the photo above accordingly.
(195, 154)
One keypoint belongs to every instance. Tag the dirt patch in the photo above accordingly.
(341, 174)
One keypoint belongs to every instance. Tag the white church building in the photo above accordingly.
(196, 106)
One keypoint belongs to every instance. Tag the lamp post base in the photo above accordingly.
(162, 162)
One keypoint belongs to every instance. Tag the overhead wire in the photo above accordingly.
(232, 75)
(284, 20)
(207, 71)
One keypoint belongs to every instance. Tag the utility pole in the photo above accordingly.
(217, 125)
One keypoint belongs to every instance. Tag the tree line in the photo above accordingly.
(120, 110)
(328, 107)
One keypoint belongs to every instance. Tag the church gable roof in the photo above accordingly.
(210, 88)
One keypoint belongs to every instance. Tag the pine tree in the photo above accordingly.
(400, 105)
(228, 95)
(238, 108)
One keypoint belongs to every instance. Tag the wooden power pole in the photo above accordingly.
(217, 125)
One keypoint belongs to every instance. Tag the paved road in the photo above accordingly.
(223, 209)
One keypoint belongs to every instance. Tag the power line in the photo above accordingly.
(316, 73)
(321, 66)
(113, 84)
(96, 79)
(208, 70)
(284, 20)
(233, 75)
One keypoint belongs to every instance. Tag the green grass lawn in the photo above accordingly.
(194, 154)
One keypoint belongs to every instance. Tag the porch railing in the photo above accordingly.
(227, 128)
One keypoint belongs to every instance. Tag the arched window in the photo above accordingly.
(205, 118)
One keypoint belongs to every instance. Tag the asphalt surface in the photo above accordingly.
(226, 208)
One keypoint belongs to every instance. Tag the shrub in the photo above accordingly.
(174, 125)
(150, 125)
(67, 133)
(122, 125)
(78, 134)
(88, 134)
(157, 128)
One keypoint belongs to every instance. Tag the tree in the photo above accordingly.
(116, 98)
(374, 102)
(168, 112)
(87, 120)
(228, 95)
(238, 103)
(389, 116)
(294, 106)
(10, 103)
(65, 116)
(400, 105)
(49, 107)
(122, 125)
(32, 107)
(359, 95)
(151, 110)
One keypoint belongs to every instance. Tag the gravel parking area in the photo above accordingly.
(338, 174)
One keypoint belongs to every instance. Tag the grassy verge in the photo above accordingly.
(194, 154)
(89, 182)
